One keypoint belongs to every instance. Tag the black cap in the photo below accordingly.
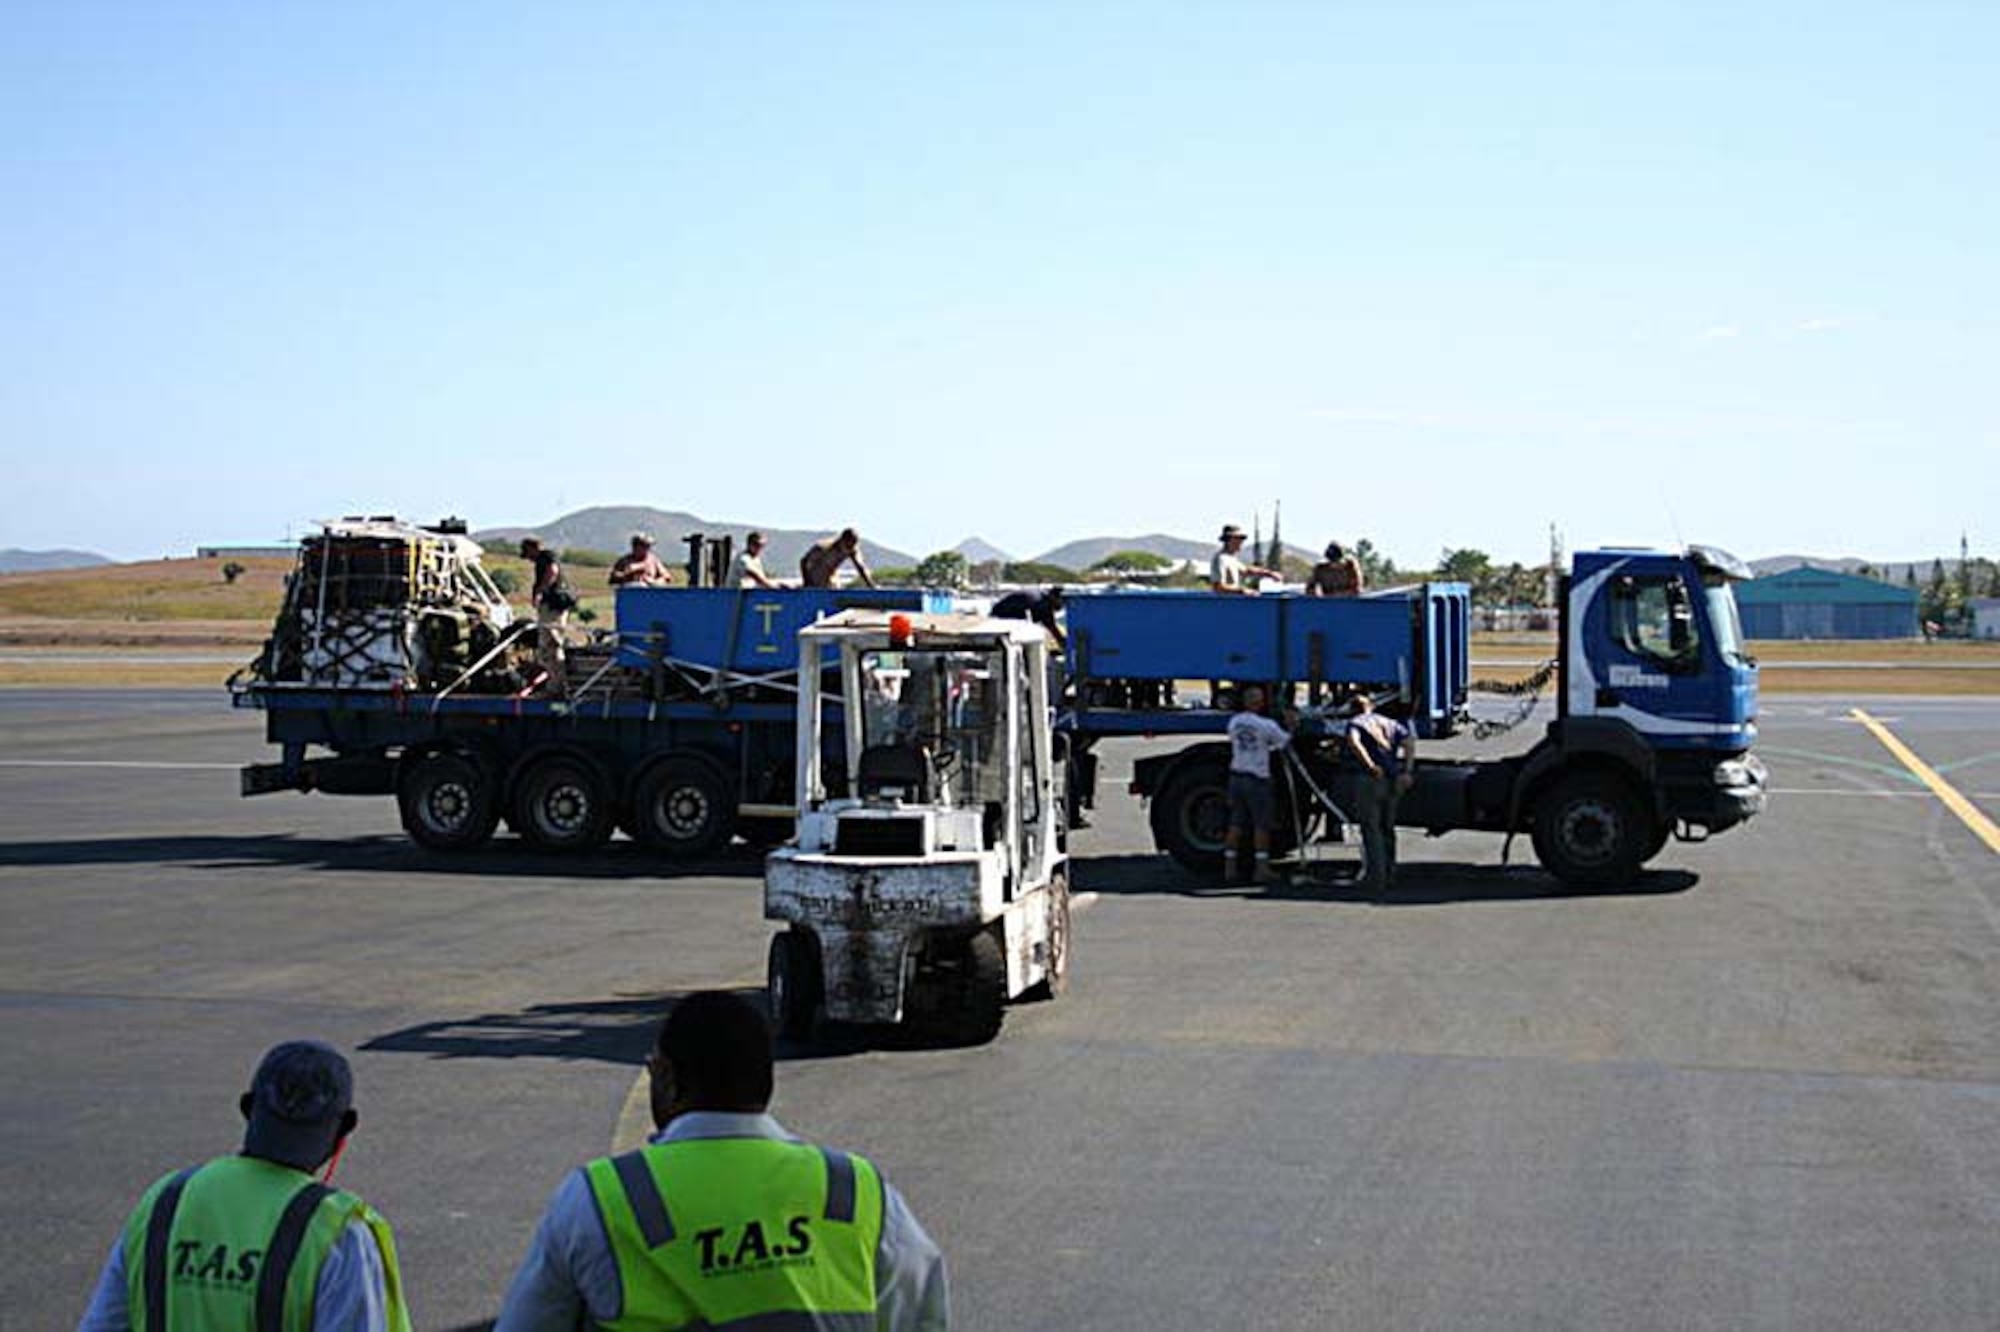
(298, 1098)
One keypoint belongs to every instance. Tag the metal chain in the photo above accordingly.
(1532, 687)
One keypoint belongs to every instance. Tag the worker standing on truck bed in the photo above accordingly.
(824, 557)
(1338, 575)
(253, 1241)
(1227, 573)
(1387, 752)
(750, 564)
(640, 567)
(553, 600)
(724, 1219)
(1041, 607)
(1253, 738)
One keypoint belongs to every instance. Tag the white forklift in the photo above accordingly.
(928, 883)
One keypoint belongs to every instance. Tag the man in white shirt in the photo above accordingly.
(1227, 573)
(1253, 738)
(750, 564)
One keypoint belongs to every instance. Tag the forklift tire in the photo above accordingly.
(562, 803)
(447, 803)
(979, 998)
(682, 807)
(794, 986)
(1591, 831)
(1056, 980)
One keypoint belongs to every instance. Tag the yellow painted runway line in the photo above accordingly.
(1968, 813)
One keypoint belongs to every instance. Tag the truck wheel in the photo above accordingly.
(682, 808)
(1190, 815)
(562, 804)
(1591, 832)
(978, 998)
(1056, 979)
(794, 985)
(447, 803)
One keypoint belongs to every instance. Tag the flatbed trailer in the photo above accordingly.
(682, 731)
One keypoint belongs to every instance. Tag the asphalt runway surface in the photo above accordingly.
(1760, 1090)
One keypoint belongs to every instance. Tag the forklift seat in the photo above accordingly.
(903, 769)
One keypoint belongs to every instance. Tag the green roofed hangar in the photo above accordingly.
(1810, 602)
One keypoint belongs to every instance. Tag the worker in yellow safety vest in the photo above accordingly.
(254, 1242)
(723, 1219)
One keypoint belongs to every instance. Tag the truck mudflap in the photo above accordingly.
(349, 774)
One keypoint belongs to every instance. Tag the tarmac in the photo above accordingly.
(1761, 1089)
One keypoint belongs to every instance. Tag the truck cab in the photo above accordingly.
(1655, 673)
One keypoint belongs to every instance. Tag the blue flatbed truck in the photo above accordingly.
(683, 733)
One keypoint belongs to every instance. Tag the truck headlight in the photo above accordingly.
(1734, 772)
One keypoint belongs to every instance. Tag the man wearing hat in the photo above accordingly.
(1227, 573)
(641, 567)
(253, 1242)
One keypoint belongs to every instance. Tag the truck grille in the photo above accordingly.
(879, 837)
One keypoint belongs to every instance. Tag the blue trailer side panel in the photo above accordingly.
(740, 629)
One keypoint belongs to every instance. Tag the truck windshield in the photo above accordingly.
(1723, 620)
(946, 711)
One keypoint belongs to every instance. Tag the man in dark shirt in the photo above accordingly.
(1041, 607)
(1387, 752)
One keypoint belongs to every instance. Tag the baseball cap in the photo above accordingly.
(298, 1097)
(1230, 530)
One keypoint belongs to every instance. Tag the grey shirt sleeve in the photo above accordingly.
(912, 1291)
(352, 1296)
(568, 1270)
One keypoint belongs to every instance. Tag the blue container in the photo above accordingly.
(1416, 639)
(754, 630)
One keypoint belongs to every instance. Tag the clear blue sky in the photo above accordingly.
(1436, 275)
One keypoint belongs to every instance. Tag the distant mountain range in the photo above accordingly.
(611, 529)
(43, 561)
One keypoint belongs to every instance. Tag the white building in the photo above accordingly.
(1985, 617)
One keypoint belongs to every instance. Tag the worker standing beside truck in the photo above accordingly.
(1386, 749)
(724, 1219)
(1253, 738)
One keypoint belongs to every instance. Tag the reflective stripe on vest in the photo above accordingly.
(747, 1234)
(236, 1245)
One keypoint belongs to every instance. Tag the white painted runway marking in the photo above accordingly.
(146, 765)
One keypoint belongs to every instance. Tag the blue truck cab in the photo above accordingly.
(1654, 670)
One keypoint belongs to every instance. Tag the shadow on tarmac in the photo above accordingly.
(612, 1031)
(1418, 883)
(384, 854)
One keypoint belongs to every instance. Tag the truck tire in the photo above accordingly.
(979, 998)
(562, 803)
(1190, 816)
(1591, 830)
(681, 807)
(794, 985)
(447, 803)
